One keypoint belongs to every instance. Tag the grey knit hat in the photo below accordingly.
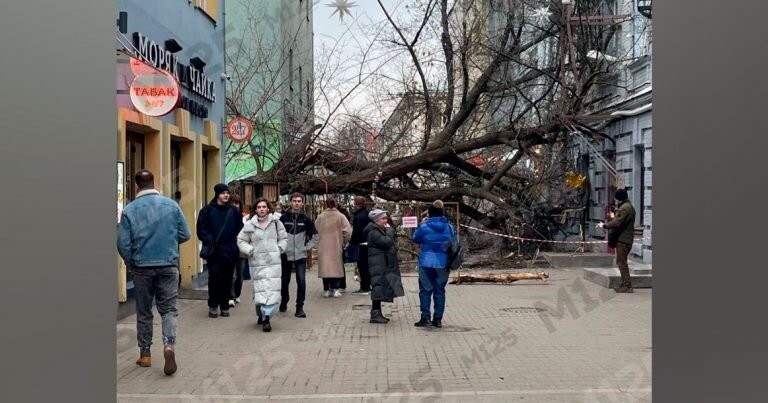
(377, 214)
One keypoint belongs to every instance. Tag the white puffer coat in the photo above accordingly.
(263, 248)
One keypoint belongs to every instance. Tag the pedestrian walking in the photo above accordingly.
(218, 224)
(333, 230)
(359, 244)
(302, 237)
(621, 236)
(386, 284)
(263, 239)
(435, 235)
(242, 262)
(150, 231)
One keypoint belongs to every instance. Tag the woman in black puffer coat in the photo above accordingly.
(386, 284)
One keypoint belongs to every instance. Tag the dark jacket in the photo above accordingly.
(382, 263)
(302, 235)
(209, 223)
(625, 218)
(434, 236)
(359, 222)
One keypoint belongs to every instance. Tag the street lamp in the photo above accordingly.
(644, 8)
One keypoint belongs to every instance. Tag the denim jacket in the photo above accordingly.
(150, 231)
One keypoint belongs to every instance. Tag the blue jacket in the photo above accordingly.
(434, 236)
(150, 231)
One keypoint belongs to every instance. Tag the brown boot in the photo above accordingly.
(170, 360)
(144, 361)
(626, 288)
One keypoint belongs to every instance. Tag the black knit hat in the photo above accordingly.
(621, 194)
(219, 189)
(436, 209)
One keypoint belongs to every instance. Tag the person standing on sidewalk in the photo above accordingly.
(151, 229)
(621, 237)
(359, 243)
(386, 283)
(302, 237)
(264, 239)
(217, 227)
(242, 262)
(333, 230)
(435, 236)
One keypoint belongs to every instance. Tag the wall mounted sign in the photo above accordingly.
(120, 189)
(155, 94)
(239, 129)
(410, 222)
(160, 58)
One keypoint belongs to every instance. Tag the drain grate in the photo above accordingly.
(522, 309)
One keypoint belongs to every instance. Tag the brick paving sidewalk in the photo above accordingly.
(565, 340)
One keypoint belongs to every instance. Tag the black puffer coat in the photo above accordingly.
(386, 284)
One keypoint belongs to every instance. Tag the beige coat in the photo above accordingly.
(333, 229)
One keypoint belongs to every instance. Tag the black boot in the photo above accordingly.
(266, 326)
(283, 306)
(626, 288)
(376, 316)
(437, 322)
(300, 312)
(424, 322)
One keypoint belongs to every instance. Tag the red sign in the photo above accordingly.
(155, 94)
(239, 129)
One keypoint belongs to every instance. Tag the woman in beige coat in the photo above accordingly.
(334, 230)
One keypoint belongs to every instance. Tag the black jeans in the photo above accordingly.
(362, 269)
(331, 283)
(219, 283)
(300, 266)
(237, 281)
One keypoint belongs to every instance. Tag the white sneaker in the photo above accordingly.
(231, 302)
(237, 300)
(337, 294)
(327, 294)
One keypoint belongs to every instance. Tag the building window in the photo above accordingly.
(301, 84)
(134, 161)
(290, 69)
(209, 8)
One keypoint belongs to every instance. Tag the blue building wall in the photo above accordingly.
(198, 35)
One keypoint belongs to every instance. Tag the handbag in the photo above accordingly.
(455, 256)
(207, 251)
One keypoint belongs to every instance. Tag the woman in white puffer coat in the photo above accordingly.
(263, 239)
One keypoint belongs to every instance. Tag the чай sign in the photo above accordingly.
(154, 94)
(239, 129)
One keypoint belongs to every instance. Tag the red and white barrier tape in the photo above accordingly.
(538, 240)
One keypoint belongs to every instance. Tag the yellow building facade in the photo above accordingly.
(186, 166)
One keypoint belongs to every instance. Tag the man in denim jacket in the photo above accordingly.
(151, 229)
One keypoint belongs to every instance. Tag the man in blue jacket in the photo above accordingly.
(151, 229)
(435, 236)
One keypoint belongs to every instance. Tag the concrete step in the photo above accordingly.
(569, 260)
(610, 277)
(194, 293)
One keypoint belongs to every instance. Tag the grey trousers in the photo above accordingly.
(162, 285)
